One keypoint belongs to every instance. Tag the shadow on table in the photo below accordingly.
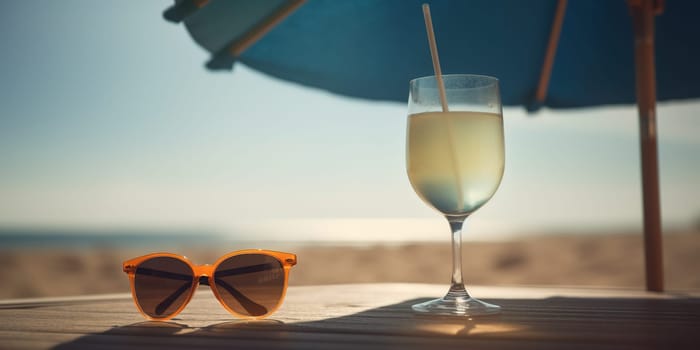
(524, 323)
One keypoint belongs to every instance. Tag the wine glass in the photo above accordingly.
(455, 162)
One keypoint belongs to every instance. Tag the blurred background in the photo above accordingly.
(115, 141)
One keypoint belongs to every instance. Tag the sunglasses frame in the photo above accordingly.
(287, 260)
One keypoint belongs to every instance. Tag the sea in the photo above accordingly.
(13, 238)
(281, 237)
(81, 238)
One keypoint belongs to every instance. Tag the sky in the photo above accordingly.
(108, 119)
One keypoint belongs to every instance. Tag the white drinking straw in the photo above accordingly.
(443, 102)
(434, 55)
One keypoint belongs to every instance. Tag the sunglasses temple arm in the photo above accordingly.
(246, 269)
(164, 274)
(165, 304)
(252, 307)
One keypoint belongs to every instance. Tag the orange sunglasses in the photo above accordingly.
(248, 283)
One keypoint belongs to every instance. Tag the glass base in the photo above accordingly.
(456, 307)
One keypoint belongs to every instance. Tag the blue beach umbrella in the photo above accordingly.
(546, 53)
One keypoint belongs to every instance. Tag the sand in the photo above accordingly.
(571, 260)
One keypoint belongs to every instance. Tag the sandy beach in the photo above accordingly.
(571, 260)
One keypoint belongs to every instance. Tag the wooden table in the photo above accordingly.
(366, 316)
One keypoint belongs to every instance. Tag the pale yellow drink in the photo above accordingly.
(455, 154)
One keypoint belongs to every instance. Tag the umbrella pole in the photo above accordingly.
(643, 12)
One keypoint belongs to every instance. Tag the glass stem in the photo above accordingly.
(457, 289)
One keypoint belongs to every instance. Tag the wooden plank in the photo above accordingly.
(368, 316)
(30, 302)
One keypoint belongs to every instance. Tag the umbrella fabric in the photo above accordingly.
(371, 49)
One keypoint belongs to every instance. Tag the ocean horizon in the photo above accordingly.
(31, 238)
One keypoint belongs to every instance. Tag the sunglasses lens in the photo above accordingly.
(250, 284)
(162, 285)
